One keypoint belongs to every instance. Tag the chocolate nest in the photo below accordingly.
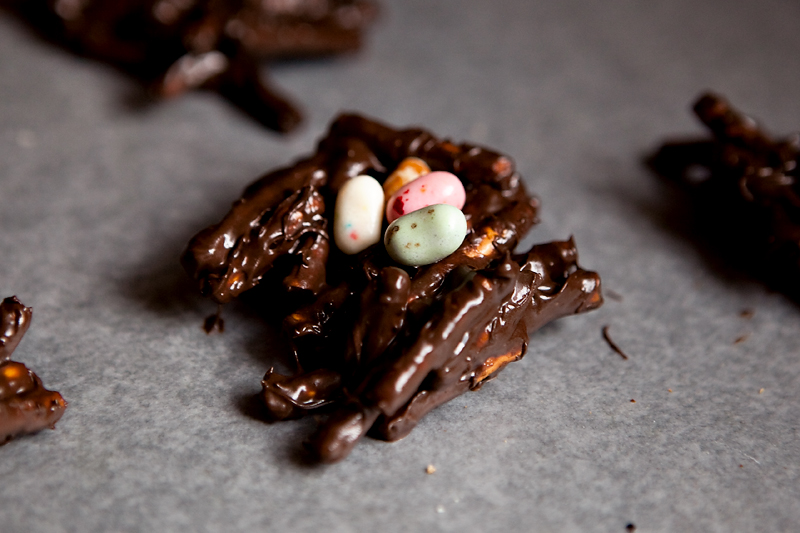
(378, 345)
(746, 190)
(25, 405)
(179, 45)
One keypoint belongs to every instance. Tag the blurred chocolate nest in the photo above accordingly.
(377, 344)
(178, 45)
(745, 187)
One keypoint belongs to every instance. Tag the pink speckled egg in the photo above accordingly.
(434, 188)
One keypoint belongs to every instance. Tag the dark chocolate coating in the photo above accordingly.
(179, 45)
(25, 405)
(380, 345)
(470, 333)
(15, 319)
(746, 187)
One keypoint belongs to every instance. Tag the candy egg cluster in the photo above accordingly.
(423, 209)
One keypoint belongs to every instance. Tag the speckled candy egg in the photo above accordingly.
(426, 236)
(358, 215)
(430, 189)
(407, 171)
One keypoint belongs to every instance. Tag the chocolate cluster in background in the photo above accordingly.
(25, 405)
(746, 190)
(378, 345)
(178, 45)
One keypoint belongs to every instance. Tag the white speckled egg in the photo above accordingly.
(358, 214)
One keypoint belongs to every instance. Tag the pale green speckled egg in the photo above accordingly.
(425, 236)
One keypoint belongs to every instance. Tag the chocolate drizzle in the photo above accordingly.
(746, 187)
(25, 405)
(180, 45)
(380, 345)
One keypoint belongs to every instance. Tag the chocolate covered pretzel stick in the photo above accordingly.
(180, 45)
(15, 319)
(746, 189)
(25, 405)
(470, 334)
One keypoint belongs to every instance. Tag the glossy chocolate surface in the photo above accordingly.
(176, 46)
(746, 189)
(25, 405)
(380, 345)
(15, 319)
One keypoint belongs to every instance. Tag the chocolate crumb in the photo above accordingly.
(630, 528)
(633, 401)
(214, 322)
(741, 338)
(612, 344)
(747, 313)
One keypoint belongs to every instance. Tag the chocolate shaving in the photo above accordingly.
(612, 344)
(179, 45)
(746, 189)
(380, 345)
(617, 297)
(25, 405)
